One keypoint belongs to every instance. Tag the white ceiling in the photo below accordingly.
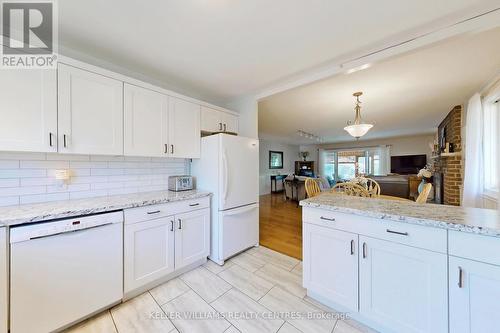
(226, 48)
(405, 95)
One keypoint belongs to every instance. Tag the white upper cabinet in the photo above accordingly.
(229, 123)
(28, 110)
(183, 129)
(90, 110)
(402, 288)
(145, 122)
(217, 121)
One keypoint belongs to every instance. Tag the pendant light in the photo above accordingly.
(357, 129)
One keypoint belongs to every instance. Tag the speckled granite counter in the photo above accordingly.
(15, 215)
(480, 221)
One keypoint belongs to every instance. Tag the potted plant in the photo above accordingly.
(304, 155)
(426, 174)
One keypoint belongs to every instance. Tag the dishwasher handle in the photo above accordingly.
(71, 232)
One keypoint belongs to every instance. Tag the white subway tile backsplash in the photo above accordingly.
(22, 173)
(30, 177)
(9, 201)
(87, 165)
(14, 182)
(30, 199)
(44, 164)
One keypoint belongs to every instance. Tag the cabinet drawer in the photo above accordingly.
(429, 238)
(476, 247)
(134, 215)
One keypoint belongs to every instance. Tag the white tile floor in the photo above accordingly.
(247, 289)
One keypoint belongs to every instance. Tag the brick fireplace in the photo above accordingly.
(450, 165)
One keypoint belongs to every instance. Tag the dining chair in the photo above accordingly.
(312, 187)
(422, 197)
(373, 187)
(351, 189)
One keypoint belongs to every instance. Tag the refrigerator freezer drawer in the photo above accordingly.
(239, 229)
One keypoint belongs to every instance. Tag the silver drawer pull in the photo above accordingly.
(327, 218)
(397, 232)
(195, 204)
(153, 212)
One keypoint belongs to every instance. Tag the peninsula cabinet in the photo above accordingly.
(474, 283)
(331, 264)
(145, 122)
(90, 112)
(3, 281)
(28, 109)
(213, 121)
(401, 287)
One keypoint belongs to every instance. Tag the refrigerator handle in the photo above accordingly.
(226, 171)
(237, 211)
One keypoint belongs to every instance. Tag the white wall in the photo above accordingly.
(247, 108)
(29, 177)
(290, 155)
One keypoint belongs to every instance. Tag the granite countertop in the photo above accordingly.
(15, 215)
(474, 220)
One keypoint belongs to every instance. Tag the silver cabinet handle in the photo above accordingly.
(194, 204)
(50, 139)
(171, 149)
(364, 250)
(166, 149)
(172, 225)
(327, 218)
(64, 141)
(460, 277)
(220, 126)
(153, 212)
(397, 232)
(180, 224)
(352, 247)
(224, 127)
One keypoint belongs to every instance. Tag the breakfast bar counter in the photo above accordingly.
(474, 220)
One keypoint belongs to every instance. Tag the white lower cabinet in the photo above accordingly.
(474, 296)
(331, 264)
(402, 288)
(149, 251)
(192, 237)
(3, 281)
(162, 239)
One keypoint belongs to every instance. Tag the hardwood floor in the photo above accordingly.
(281, 225)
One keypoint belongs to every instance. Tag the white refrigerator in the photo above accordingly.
(229, 168)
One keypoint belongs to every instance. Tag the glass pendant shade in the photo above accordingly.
(359, 130)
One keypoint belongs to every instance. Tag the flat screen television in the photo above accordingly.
(408, 164)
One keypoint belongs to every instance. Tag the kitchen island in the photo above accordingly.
(403, 267)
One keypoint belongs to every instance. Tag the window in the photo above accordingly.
(491, 136)
(345, 164)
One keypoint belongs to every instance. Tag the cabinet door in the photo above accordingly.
(192, 237)
(149, 252)
(90, 112)
(211, 120)
(145, 122)
(230, 122)
(3, 281)
(402, 288)
(474, 296)
(28, 110)
(184, 129)
(331, 264)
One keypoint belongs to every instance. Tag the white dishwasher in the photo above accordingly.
(65, 270)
